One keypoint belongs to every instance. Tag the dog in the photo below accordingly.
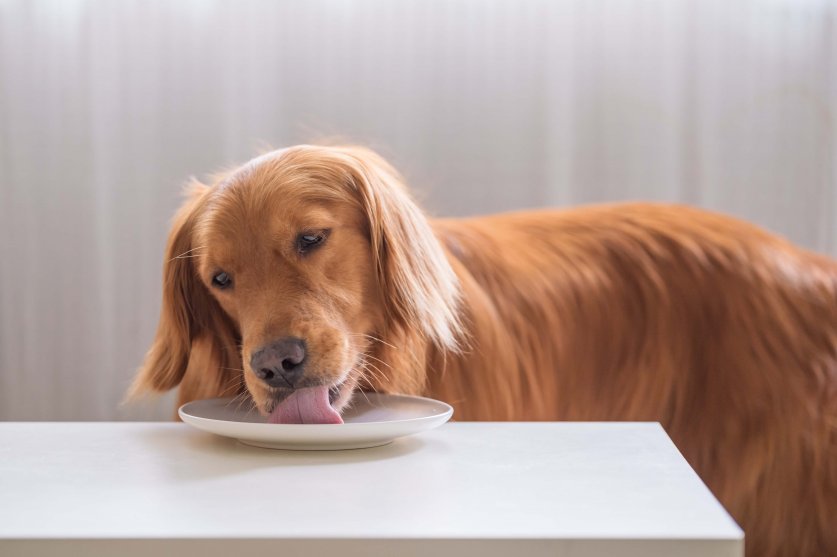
(310, 273)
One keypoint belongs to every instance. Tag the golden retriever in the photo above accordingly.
(309, 273)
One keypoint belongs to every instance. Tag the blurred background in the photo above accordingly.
(107, 107)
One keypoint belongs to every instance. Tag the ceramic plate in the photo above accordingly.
(372, 420)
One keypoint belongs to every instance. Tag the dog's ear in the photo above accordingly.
(420, 289)
(190, 319)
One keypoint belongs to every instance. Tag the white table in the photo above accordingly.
(481, 489)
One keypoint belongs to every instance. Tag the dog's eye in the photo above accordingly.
(222, 280)
(307, 241)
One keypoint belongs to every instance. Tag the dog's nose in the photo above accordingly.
(280, 363)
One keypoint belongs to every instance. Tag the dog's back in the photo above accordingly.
(725, 334)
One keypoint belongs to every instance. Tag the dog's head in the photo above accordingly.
(289, 270)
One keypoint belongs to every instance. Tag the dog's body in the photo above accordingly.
(725, 334)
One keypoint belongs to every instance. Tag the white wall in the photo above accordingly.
(106, 107)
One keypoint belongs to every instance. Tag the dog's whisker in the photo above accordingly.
(376, 373)
(355, 374)
(186, 253)
(235, 386)
(375, 339)
(378, 360)
(243, 393)
(242, 401)
(235, 398)
(366, 397)
(379, 374)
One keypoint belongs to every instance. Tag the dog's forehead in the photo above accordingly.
(259, 163)
(236, 231)
(250, 171)
(276, 194)
(268, 202)
(301, 171)
(249, 209)
(267, 156)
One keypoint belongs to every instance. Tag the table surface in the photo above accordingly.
(551, 488)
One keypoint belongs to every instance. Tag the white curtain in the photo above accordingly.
(107, 107)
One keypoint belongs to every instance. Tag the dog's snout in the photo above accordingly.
(280, 363)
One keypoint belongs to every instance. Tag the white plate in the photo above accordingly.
(372, 420)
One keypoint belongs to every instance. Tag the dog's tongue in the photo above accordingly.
(306, 406)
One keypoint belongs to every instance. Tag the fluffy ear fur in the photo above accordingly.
(192, 326)
(419, 286)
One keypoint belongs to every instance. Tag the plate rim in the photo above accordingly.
(447, 414)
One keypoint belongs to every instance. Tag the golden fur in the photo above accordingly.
(724, 333)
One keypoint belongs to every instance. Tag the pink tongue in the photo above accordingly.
(306, 406)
